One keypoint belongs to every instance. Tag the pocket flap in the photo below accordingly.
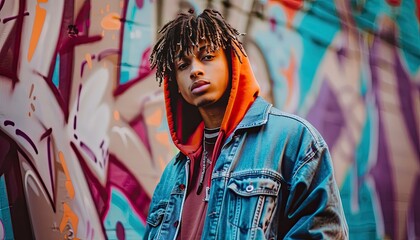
(156, 214)
(254, 186)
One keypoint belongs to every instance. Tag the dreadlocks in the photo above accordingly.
(185, 32)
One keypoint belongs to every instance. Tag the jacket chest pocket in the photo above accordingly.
(252, 199)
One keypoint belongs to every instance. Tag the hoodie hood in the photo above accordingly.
(184, 120)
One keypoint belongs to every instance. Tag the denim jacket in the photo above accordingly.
(273, 180)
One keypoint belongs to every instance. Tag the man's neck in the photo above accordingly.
(212, 116)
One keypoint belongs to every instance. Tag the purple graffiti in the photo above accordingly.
(50, 165)
(342, 53)
(404, 87)
(382, 170)
(2, 3)
(5, 20)
(120, 231)
(75, 122)
(326, 115)
(140, 3)
(78, 97)
(46, 134)
(8, 123)
(107, 52)
(88, 151)
(84, 62)
(27, 138)
(119, 176)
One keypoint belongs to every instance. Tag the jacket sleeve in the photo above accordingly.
(153, 205)
(311, 206)
(158, 203)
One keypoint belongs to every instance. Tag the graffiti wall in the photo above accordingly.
(83, 134)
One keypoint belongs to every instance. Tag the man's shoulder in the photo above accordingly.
(294, 124)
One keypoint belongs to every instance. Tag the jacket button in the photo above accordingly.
(176, 223)
(182, 187)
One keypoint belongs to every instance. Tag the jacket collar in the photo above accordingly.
(257, 114)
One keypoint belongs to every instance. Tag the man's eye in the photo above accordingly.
(182, 66)
(208, 57)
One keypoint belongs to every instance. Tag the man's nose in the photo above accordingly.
(196, 69)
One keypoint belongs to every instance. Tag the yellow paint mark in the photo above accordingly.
(69, 184)
(111, 21)
(155, 118)
(288, 74)
(40, 14)
(370, 38)
(69, 217)
(162, 163)
(116, 115)
(162, 138)
(88, 59)
(31, 91)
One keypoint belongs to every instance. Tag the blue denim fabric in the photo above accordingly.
(273, 180)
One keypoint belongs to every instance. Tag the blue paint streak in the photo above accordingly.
(137, 37)
(56, 73)
(317, 35)
(5, 217)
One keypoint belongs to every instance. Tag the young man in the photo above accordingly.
(245, 170)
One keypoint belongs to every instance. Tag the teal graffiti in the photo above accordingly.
(6, 230)
(121, 213)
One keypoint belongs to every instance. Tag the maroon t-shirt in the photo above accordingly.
(194, 209)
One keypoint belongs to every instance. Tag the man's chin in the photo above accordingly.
(205, 102)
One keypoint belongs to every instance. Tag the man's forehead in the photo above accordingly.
(200, 48)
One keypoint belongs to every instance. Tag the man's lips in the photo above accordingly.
(199, 86)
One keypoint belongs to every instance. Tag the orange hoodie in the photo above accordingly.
(184, 120)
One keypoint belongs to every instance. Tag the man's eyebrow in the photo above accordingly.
(204, 48)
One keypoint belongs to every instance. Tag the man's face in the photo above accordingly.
(202, 77)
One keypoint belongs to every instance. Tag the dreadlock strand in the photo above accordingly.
(191, 36)
(213, 34)
(201, 29)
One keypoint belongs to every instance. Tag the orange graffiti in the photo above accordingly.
(155, 118)
(88, 59)
(291, 7)
(288, 74)
(116, 115)
(111, 22)
(162, 163)
(40, 14)
(163, 138)
(69, 217)
(69, 184)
